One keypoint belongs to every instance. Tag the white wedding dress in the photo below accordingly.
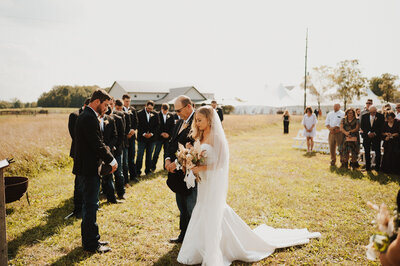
(216, 235)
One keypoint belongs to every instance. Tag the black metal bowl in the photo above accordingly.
(16, 186)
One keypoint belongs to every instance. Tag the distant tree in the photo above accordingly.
(319, 82)
(66, 96)
(388, 86)
(374, 83)
(348, 77)
(16, 103)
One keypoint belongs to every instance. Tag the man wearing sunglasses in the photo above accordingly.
(366, 108)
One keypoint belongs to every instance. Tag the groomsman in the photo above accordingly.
(77, 212)
(90, 153)
(185, 198)
(119, 117)
(132, 120)
(148, 127)
(371, 125)
(167, 123)
(110, 136)
(218, 109)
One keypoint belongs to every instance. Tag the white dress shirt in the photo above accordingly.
(398, 116)
(165, 118)
(333, 119)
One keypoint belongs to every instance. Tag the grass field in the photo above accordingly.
(270, 182)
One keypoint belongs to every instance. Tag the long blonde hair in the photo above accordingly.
(195, 132)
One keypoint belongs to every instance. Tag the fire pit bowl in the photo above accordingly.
(16, 186)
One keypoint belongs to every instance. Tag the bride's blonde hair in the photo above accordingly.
(195, 132)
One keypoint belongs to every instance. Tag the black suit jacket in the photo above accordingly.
(110, 135)
(220, 113)
(71, 128)
(90, 149)
(120, 125)
(376, 128)
(133, 118)
(152, 126)
(167, 127)
(175, 180)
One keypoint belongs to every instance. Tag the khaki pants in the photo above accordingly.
(335, 140)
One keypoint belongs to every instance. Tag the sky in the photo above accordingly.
(228, 47)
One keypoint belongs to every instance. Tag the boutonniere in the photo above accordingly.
(168, 116)
(130, 112)
(151, 115)
(106, 122)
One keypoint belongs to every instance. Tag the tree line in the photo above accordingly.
(346, 82)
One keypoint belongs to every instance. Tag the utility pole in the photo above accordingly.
(305, 73)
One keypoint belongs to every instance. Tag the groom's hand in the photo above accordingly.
(171, 167)
(114, 168)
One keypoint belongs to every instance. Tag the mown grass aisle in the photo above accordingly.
(270, 182)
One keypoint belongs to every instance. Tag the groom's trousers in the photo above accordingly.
(89, 228)
(186, 205)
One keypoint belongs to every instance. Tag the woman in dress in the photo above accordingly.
(309, 122)
(286, 120)
(390, 135)
(350, 127)
(216, 235)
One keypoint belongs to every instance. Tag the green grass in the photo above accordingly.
(270, 182)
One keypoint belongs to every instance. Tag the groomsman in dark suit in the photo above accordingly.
(77, 212)
(371, 126)
(110, 136)
(218, 109)
(119, 117)
(185, 198)
(148, 127)
(132, 120)
(167, 123)
(90, 153)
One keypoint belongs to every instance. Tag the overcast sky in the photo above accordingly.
(231, 48)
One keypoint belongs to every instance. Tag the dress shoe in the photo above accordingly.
(333, 163)
(176, 240)
(135, 180)
(103, 249)
(122, 197)
(104, 243)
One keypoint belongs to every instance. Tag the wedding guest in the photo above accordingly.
(148, 126)
(390, 135)
(366, 108)
(77, 212)
(398, 111)
(90, 152)
(125, 151)
(309, 122)
(358, 113)
(110, 137)
(371, 125)
(218, 109)
(316, 112)
(350, 128)
(120, 146)
(164, 133)
(332, 122)
(131, 136)
(286, 120)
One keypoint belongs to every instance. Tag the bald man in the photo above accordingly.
(371, 126)
(333, 120)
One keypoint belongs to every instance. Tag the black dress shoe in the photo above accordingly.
(135, 180)
(123, 197)
(176, 240)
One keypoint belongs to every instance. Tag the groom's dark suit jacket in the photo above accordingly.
(175, 180)
(90, 149)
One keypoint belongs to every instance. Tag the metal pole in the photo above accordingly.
(305, 73)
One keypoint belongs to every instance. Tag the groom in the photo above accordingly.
(185, 198)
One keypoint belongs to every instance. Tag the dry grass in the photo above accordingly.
(270, 183)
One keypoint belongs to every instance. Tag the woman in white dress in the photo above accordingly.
(216, 235)
(309, 122)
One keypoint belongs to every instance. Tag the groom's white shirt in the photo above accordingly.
(113, 162)
(185, 122)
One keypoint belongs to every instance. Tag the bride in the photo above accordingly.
(216, 235)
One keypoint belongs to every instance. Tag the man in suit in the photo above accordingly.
(110, 137)
(167, 123)
(371, 125)
(218, 109)
(185, 198)
(119, 117)
(148, 125)
(77, 212)
(90, 153)
(132, 120)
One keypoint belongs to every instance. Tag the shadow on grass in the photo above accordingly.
(75, 256)
(170, 257)
(9, 211)
(380, 177)
(150, 176)
(310, 154)
(54, 222)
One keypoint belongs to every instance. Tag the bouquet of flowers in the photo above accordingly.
(188, 157)
(387, 226)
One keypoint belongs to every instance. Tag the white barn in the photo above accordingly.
(141, 92)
